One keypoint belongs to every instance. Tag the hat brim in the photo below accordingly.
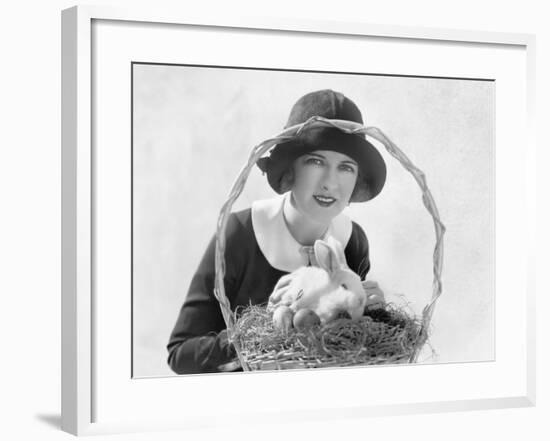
(372, 168)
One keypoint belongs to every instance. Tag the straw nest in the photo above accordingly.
(381, 336)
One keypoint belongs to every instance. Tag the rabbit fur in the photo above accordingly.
(329, 290)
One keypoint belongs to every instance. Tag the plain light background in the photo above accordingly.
(194, 129)
(30, 225)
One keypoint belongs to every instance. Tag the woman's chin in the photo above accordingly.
(324, 215)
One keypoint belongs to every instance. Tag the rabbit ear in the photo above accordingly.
(326, 257)
(338, 250)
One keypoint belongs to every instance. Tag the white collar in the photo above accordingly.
(278, 246)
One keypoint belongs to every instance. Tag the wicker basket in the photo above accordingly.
(251, 360)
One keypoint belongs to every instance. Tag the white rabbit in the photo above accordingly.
(330, 290)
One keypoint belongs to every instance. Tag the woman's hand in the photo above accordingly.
(228, 353)
(286, 291)
(231, 366)
(375, 296)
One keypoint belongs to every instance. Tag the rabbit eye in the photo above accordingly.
(344, 286)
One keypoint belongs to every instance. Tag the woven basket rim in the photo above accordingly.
(288, 134)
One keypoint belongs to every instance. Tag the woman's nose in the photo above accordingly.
(330, 179)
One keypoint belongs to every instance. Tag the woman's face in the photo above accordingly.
(323, 183)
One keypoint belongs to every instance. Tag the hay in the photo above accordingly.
(381, 336)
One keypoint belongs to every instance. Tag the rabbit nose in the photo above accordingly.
(342, 314)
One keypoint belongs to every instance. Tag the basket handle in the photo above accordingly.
(287, 135)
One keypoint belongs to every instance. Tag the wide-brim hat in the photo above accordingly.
(330, 105)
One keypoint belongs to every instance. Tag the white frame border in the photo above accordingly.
(77, 203)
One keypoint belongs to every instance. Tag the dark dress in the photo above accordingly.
(197, 344)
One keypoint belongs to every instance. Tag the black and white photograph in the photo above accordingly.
(356, 212)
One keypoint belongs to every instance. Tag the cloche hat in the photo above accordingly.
(331, 105)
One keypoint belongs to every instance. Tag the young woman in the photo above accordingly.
(317, 175)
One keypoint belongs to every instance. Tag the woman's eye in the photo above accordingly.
(347, 168)
(314, 161)
(344, 286)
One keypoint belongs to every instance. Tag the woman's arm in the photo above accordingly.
(357, 256)
(198, 342)
(357, 251)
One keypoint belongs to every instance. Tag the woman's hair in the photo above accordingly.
(287, 180)
(360, 185)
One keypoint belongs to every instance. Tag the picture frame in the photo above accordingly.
(99, 394)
